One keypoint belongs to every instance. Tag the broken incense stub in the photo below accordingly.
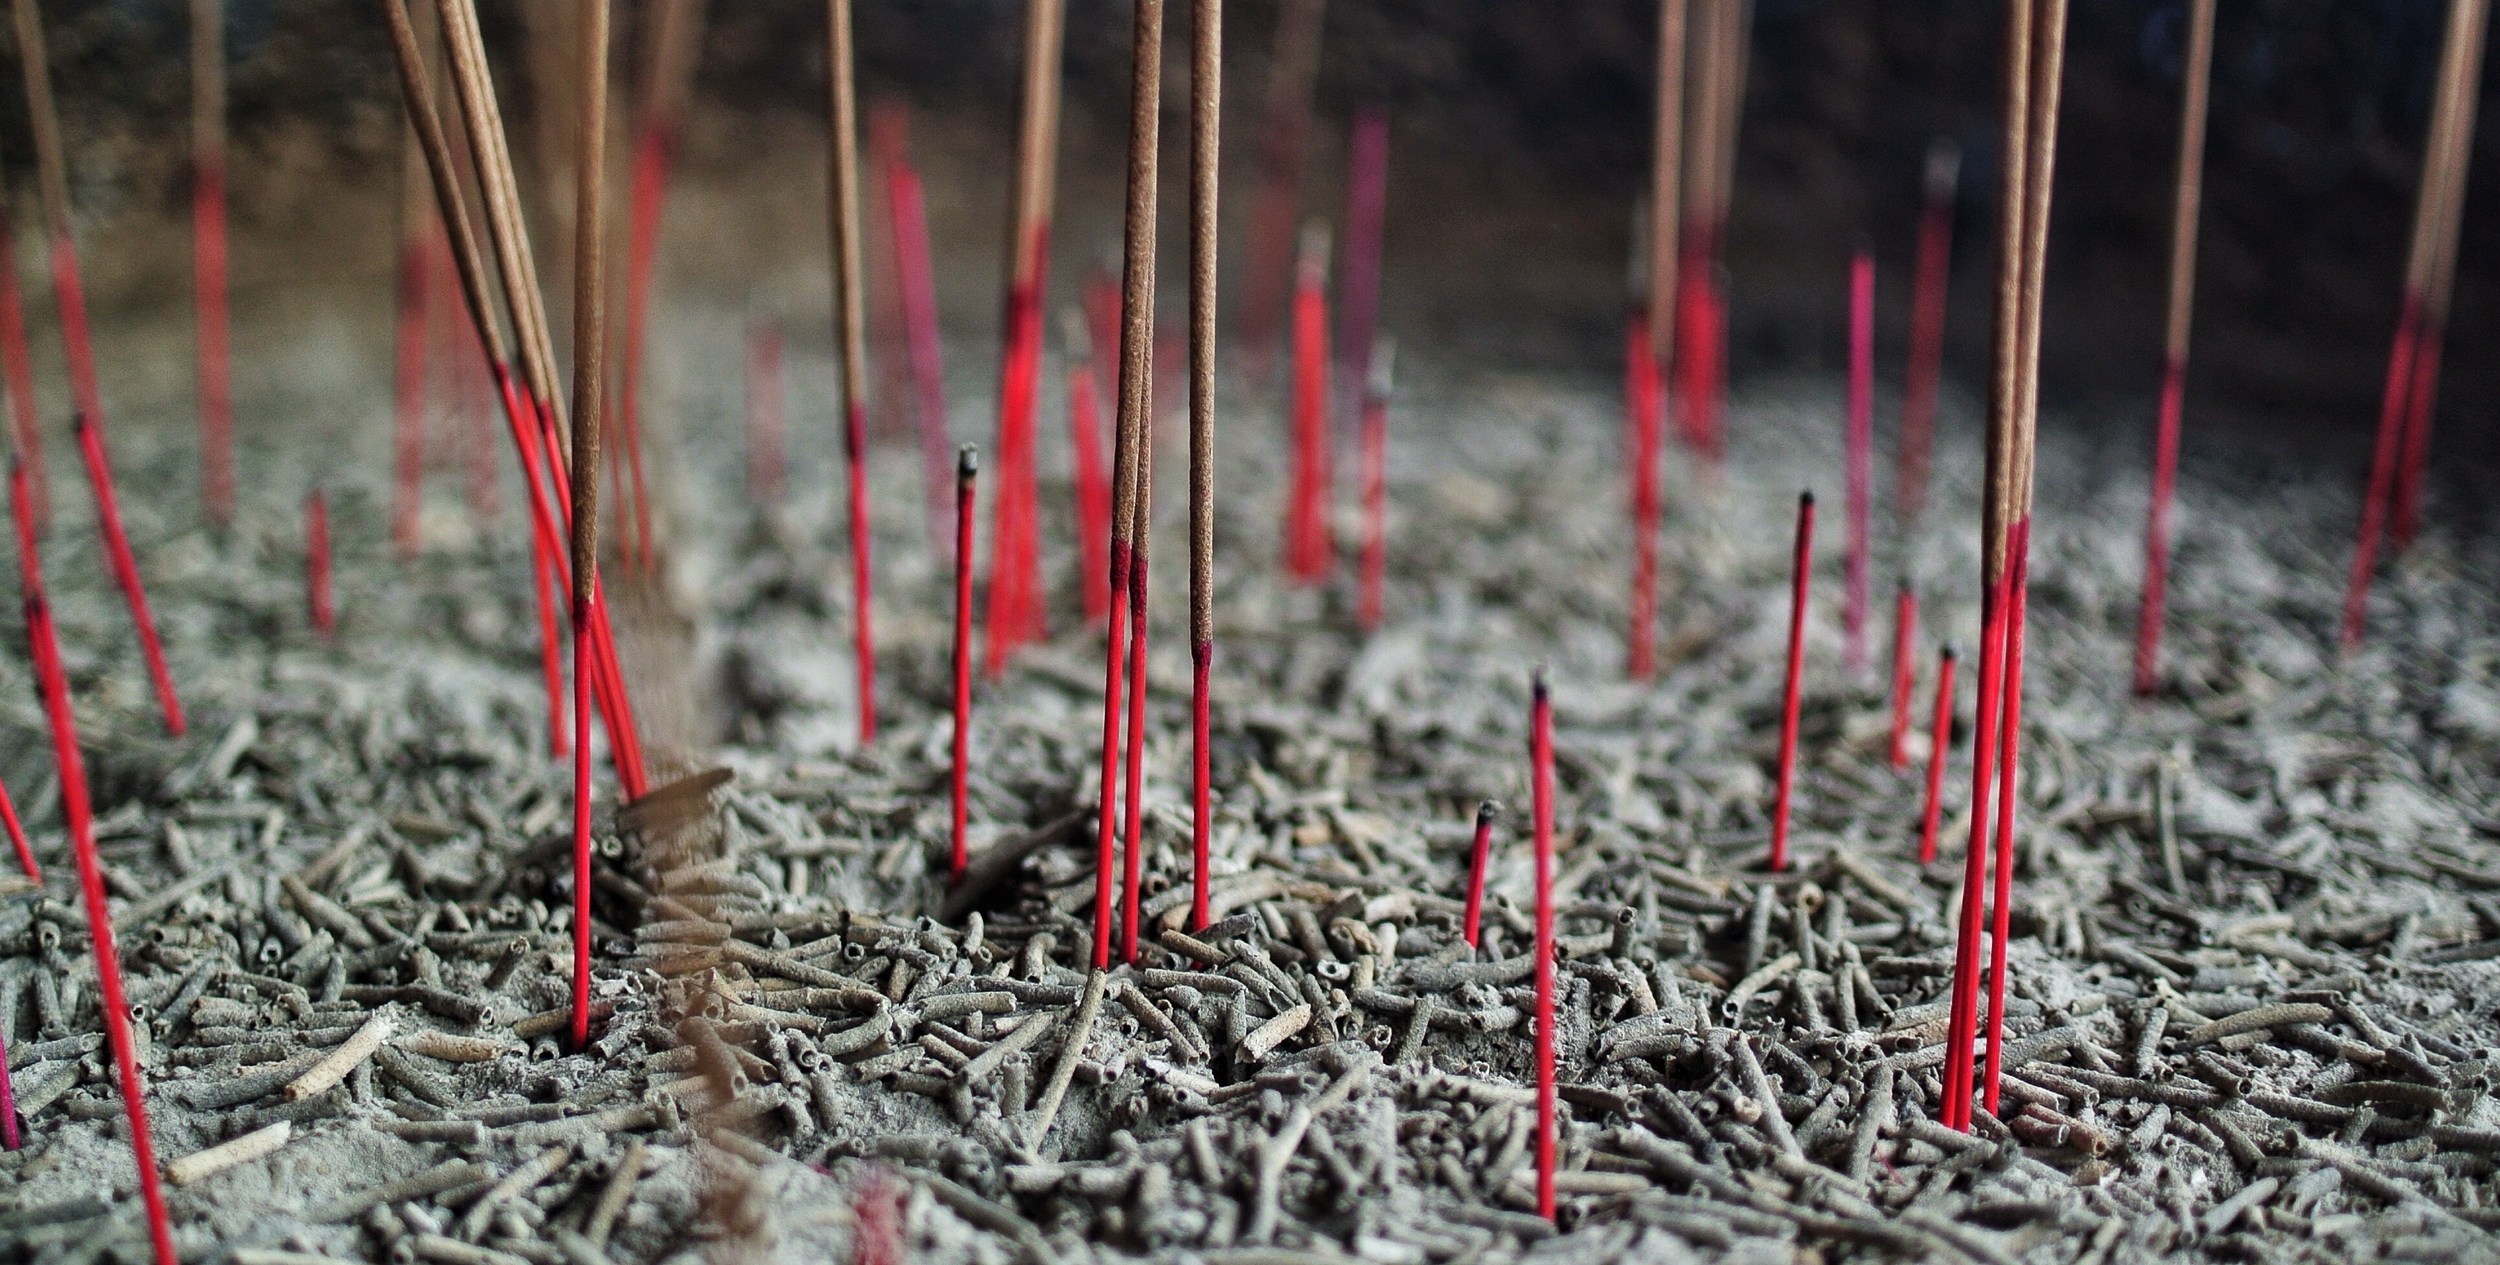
(1541, 790)
(1800, 584)
(1941, 744)
(967, 469)
(1479, 856)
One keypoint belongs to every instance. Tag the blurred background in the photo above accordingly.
(1520, 139)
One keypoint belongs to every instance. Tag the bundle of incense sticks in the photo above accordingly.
(1861, 446)
(2034, 58)
(907, 212)
(1376, 486)
(590, 342)
(1276, 199)
(851, 328)
(765, 400)
(1206, 115)
(208, 256)
(1310, 542)
(967, 469)
(317, 563)
(1652, 342)
(1800, 583)
(1132, 460)
(2413, 364)
(1093, 478)
(531, 418)
(1541, 792)
(2183, 217)
(52, 168)
(1017, 606)
(79, 816)
(1358, 285)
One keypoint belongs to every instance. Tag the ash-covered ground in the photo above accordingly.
(2256, 919)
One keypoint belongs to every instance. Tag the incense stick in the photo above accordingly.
(1904, 670)
(1541, 790)
(2455, 156)
(1130, 453)
(590, 343)
(1938, 749)
(317, 564)
(1800, 581)
(1932, 273)
(1358, 288)
(666, 74)
(1093, 477)
(1652, 344)
(2183, 226)
(78, 815)
(408, 381)
(1141, 540)
(851, 329)
(1206, 119)
(1479, 853)
(1017, 608)
(967, 469)
(1310, 546)
(18, 374)
(909, 216)
(550, 646)
(52, 167)
(1376, 487)
(1861, 444)
(764, 412)
(1284, 130)
(208, 256)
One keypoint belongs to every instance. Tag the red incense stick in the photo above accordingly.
(1358, 288)
(1376, 488)
(1904, 670)
(590, 342)
(2421, 403)
(1930, 274)
(1861, 455)
(317, 563)
(1141, 538)
(126, 568)
(1115, 648)
(79, 817)
(2188, 197)
(477, 413)
(1093, 480)
(2009, 767)
(764, 412)
(1310, 548)
(208, 256)
(1962, 1023)
(1479, 854)
(910, 219)
(1698, 356)
(1541, 782)
(1798, 584)
(1206, 117)
(1641, 422)
(1017, 605)
(967, 469)
(18, 374)
(550, 648)
(2382, 473)
(1936, 756)
(850, 323)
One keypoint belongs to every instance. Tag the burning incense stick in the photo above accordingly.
(590, 343)
(1130, 453)
(52, 167)
(1942, 744)
(2459, 62)
(1479, 854)
(1861, 454)
(1310, 545)
(1376, 486)
(1800, 581)
(1284, 132)
(851, 328)
(2183, 223)
(1904, 669)
(1016, 595)
(910, 220)
(77, 814)
(317, 563)
(2455, 155)
(764, 412)
(208, 256)
(666, 73)
(1930, 282)
(1093, 479)
(1541, 784)
(1206, 119)
(967, 469)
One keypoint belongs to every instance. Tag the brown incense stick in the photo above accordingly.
(2453, 158)
(472, 81)
(851, 328)
(590, 345)
(1666, 177)
(1206, 117)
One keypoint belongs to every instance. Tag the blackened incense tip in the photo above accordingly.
(1487, 811)
(1949, 653)
(967, 461)
(78, 422)
(1536, 682)
(1805, 499)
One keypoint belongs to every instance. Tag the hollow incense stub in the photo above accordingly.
(208, 257)
(1904, 670)
(1375, 568)
(1931, 272)
(1541, 783)
(317, 563)
(1861, 443)
(967, 470)
(1093, 477)
(1479, 854)
(1206, 115)
(766, 412)
(125, 567)
(1942, 743)
(1800, 582)
(590, 332)
(2185, 202)
(79, 817)
(851, 327)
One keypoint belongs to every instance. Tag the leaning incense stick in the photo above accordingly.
(2183, 224)
(52, 169)
(967, 469)
(851, 328)
(2455, 156)
(1016, 595)
(78, 815)
(590, 342)
(1800, 583)
(1130, 454)
(317, 564)
(1541, 790)
(1206, 117)
(1942, 743)
(1376, 487)
(666, 73)
(1861, 445)
(208, 256)
(1479, 854)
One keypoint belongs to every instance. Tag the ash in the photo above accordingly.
(2250, 1014)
